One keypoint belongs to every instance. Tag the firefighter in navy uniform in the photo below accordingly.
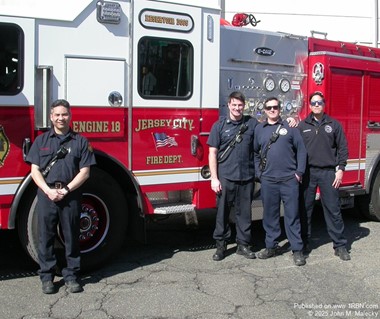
(327, 150)
(232, 175)
(280, 161)
(61, 161)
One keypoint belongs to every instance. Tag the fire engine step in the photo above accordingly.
(176, 208)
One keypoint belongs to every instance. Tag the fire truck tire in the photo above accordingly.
(362, 205)
(369, 205)
(103, 222)
(27, 223)
(104, 219)
(374, 202)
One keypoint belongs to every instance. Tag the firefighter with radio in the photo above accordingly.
(232, 175)
(280, 161)
(60, 163)
(327, 150)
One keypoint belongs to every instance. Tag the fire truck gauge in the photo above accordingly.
(288, 106)
(260, 106)
(284, 85)
(269, 84)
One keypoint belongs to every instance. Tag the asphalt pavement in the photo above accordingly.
(174, 276)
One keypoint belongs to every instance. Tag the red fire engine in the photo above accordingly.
(142, 79)
(146, 80)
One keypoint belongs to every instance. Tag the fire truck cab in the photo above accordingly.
(142, 80)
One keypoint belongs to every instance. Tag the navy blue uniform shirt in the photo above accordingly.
(286, 156)
(325, 142)
(239, 164)
(45, 147)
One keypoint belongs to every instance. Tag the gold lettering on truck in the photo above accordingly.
(166, 20)
(159, 19)
(183, 123)
(96, 126)
(163, 159)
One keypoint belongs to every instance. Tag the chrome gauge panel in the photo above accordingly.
(269, 84)
(284, 85)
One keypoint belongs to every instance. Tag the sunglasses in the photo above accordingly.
(274, 107)
(317, 103)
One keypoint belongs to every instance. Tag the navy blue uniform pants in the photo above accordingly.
(272, 193)
(67, 213)
(237, 194)
(323, 178)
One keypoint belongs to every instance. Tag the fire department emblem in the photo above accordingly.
(328, 129)
(283, 131)
(4, 146)
(318, 73)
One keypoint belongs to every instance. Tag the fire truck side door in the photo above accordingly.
(172, 44)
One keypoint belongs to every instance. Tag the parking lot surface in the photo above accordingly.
(174, 276)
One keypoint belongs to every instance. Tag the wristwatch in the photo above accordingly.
(67, 188)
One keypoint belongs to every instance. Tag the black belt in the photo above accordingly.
(57, 185)
(327, 168)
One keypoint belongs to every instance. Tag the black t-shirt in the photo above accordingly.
(239, 165)
(45, 147)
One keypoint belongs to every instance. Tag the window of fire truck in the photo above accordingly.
(165, 68)
(11, 57)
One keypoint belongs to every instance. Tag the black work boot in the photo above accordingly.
(342, 253)
(267, 253)
(73, 286)
(221, 247)
(245, 250)
(299, 258)
(48, 287)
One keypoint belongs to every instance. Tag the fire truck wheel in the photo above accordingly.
(103, 222)
(374, 203)
(369, 205)
(362, 205)
(27, 223)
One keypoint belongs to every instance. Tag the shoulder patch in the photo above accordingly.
(328, 129)
(283, 131)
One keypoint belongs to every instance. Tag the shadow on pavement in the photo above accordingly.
(167, 236)
(14, 262)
